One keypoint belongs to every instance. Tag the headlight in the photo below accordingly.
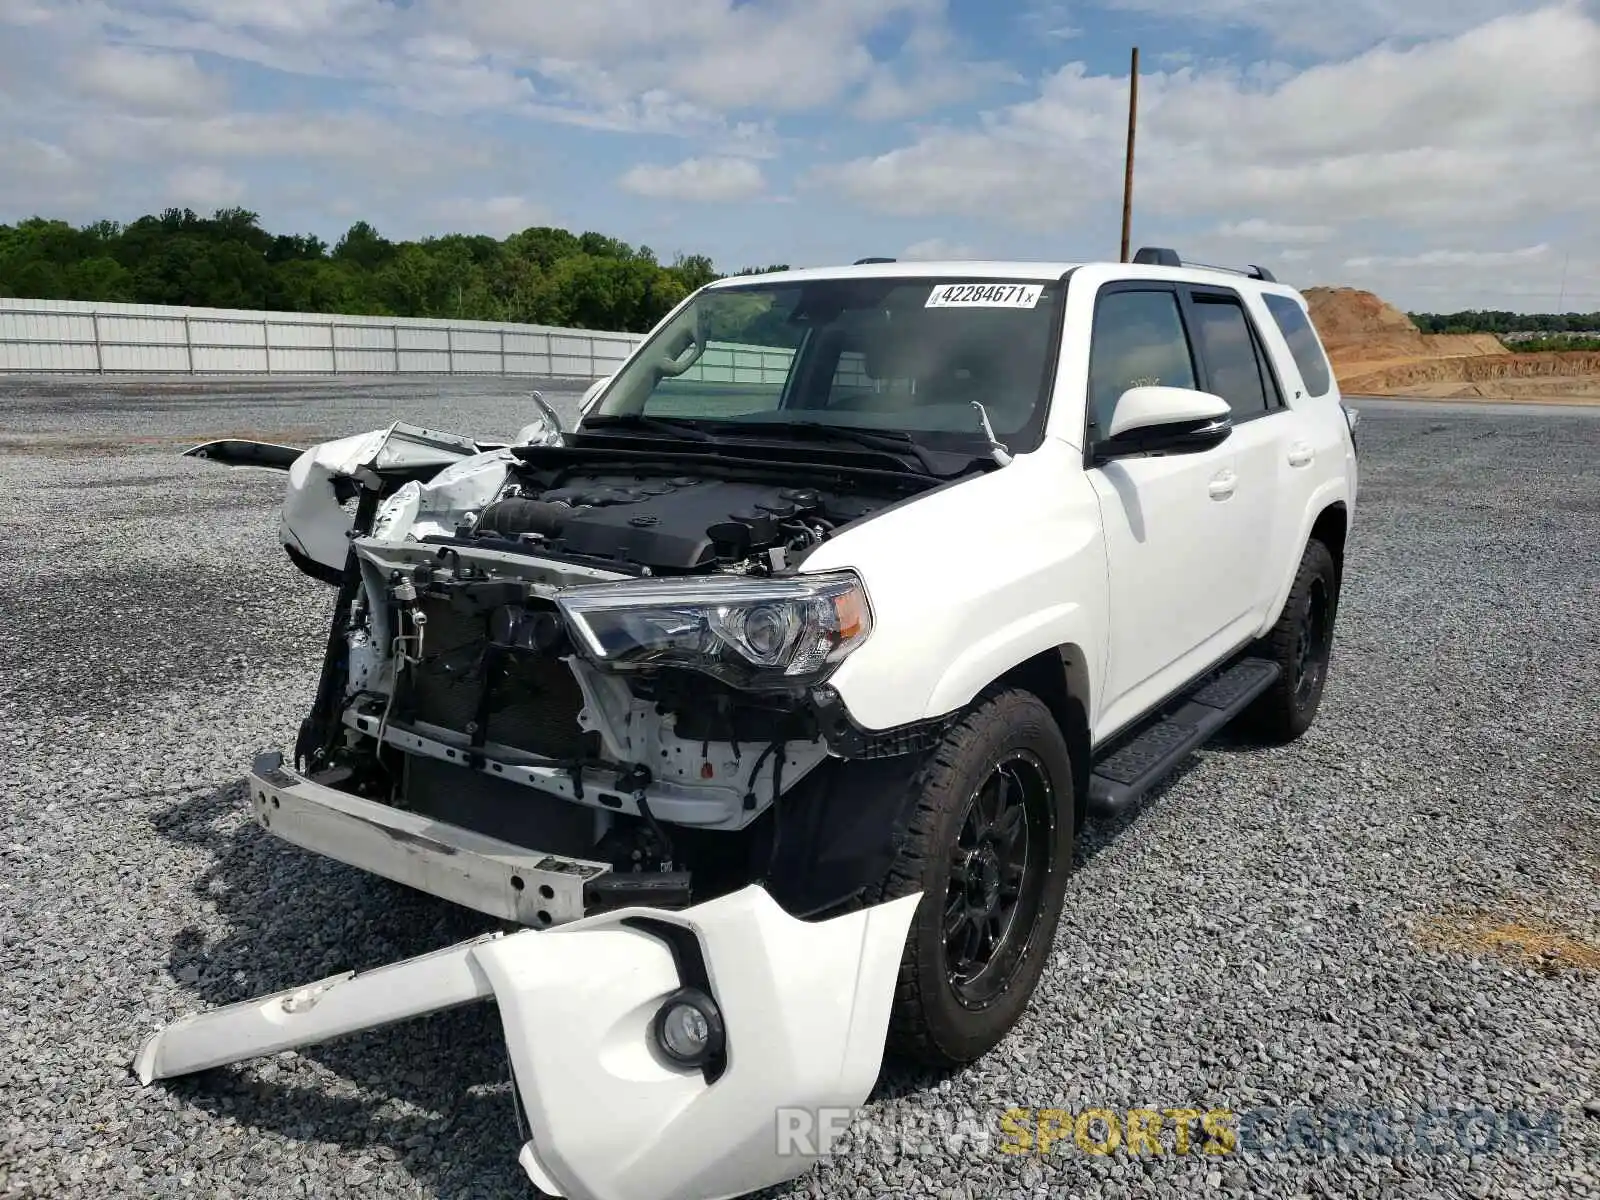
(758, 634)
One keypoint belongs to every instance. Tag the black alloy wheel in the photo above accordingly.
(999, 862)
(1313, 642)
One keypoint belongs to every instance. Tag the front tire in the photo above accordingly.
(1301, 643)
(989, 846)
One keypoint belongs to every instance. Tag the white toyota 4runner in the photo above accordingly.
(766, 703)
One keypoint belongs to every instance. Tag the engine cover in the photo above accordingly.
(679, 523)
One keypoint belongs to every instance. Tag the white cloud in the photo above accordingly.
(1470, 259)
(895, 95)
(1330, 29)
(1456, 132)
(1254, 229)
(1358, 154)
(690, 67)
(309, 17)
(39, 177)
(204, 188)
(720, 56)
(937, 249)
(1051, 19)
(345, 137)
(497, 216)
(697, 179)
(151, 83)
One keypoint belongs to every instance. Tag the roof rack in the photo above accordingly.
(862, 262)
(1163, 256)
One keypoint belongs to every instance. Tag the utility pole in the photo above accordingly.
(1127, 177)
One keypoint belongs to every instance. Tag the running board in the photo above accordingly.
(1127, 775)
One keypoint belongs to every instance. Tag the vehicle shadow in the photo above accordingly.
(432, 1093)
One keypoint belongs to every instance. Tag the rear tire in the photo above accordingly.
(989, 846)
(1301, 643)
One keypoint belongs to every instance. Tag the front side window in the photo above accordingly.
(902, 354)
(1138, 341)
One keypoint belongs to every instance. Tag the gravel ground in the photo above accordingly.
(1387, 920)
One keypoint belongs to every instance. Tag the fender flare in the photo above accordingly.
(1330, 495)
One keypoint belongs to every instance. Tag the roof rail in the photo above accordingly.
(862, 262)
(1163, 256)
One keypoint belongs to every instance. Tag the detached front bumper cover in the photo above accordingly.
(802, 1009)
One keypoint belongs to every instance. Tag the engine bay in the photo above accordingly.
(666, 522)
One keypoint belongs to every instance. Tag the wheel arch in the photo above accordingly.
(1326, 519)
(1060, 678)
(1331, 528)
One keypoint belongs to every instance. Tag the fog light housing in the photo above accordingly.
(688, 1028)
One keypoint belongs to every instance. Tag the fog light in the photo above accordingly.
(688, 1028)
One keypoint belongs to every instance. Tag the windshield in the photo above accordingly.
(905, 355)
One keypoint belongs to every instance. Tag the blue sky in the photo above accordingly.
(1445, 153)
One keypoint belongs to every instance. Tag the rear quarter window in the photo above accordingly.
(1296, 328)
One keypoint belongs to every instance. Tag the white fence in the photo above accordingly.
(64, 336)
(60, 336)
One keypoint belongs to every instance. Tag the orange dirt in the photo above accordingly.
(1377, 351)
(1528, 941)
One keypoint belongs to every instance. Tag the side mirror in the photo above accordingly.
(545, 429)
(1165, 420)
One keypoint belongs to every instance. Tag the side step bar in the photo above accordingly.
(1128, 774)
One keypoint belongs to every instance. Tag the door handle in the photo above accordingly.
(1301, 454)
(1222, 485)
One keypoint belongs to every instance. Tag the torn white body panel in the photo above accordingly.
(314, 519)
(797, 1014)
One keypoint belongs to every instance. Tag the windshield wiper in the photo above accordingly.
(892, 440)
(678, 427)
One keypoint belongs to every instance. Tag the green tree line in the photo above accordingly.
(541, 276)
(1486, 321)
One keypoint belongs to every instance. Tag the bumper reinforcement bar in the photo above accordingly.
(479, 872)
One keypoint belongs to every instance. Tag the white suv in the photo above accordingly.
(784, 681)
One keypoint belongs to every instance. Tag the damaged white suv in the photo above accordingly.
(769, 699)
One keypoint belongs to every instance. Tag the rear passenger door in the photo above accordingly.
(1176, 543)
(1234, 364)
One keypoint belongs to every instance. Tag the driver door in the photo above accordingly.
(1177, 543)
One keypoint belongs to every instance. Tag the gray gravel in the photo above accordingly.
(1290, 934)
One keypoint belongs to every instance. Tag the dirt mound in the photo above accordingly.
(1483, 369)
(1377, 350)
(1348, 314)
(1454, 345)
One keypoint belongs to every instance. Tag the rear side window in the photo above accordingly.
(1303, 344)
(1236, 372)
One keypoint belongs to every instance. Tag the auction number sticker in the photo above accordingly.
(985, 295)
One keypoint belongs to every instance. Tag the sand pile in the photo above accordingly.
(1377, 350)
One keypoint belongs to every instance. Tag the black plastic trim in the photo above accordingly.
(1127, 769)
(688, 957)
(848, 739)
(310, 566)
(675, 455)
(644, 889)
